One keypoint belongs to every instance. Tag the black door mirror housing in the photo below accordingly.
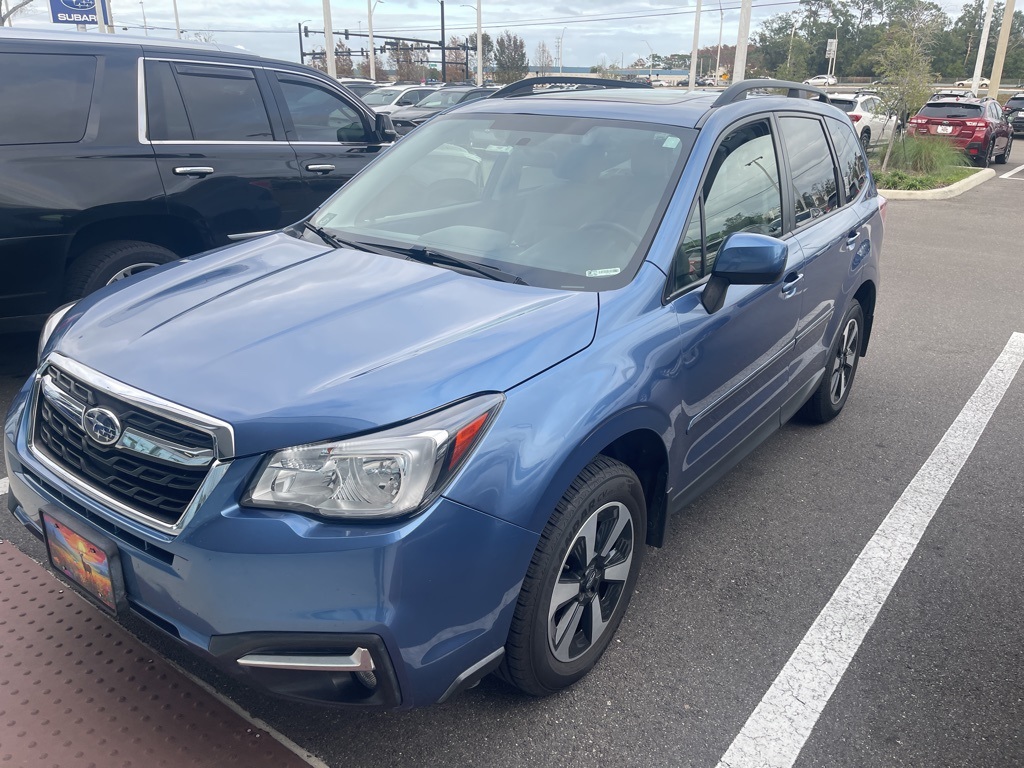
(385, 129)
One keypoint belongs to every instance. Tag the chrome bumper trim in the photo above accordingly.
(359, 661)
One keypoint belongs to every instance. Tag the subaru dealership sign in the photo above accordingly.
(77, 11)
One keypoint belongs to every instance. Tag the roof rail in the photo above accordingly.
(525, 86)
(739, 91)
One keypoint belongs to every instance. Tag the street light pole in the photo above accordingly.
(696, 43)
(982, 45)
(650, 62)
(718, 59)
(561, 49)
(479, 43)
(444, 49)
(177, 24)
(332, 65)
(370, 5)
(739, 67)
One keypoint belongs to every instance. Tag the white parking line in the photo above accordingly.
(1008, 174)
(780, 725)
(4, 485)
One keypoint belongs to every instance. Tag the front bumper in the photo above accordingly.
(429, 599)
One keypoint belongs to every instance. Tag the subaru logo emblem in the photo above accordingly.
(101, 425)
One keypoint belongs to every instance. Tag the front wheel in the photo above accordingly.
(579, 581)
(840, 368)
(865, 139)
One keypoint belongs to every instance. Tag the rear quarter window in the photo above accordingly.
(45, 98)
(852, 166)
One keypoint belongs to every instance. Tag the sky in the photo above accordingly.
(592, 31)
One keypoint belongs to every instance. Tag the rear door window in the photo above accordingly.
(852, 166)
(45, 97)
(815, 190)
(223, 103)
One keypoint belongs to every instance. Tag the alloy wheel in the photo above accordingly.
(134, 269)
(591, 582)
(845, 361)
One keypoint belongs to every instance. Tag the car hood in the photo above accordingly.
(292, 342)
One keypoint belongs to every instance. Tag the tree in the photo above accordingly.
(409, 62)
(342, 60)
(905, 63)
(543, 62)
(488, 48)
(364, 67)
(510, 62)
(456, 56)
(7, 11)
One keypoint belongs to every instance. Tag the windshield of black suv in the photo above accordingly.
(951, 111)
(560, 202)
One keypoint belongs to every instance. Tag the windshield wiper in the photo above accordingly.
(337, 242)
(440, 258)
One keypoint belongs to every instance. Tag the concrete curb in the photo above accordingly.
(943, 193)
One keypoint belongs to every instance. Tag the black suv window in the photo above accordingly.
(851, 157)
(815, 190)
(223, 103)
(46, 97)
(167, 119)
(741, 192)
(319, 114)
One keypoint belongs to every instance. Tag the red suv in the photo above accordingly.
(977, 126)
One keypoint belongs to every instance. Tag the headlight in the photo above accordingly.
(376, 476)
(49, 327)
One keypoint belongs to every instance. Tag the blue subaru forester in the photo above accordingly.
(428, 433)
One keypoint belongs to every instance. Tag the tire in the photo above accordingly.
(108, 262)
(840, 369)
(559, 634)
(986, 161)
(1001, 159)
(865, 139)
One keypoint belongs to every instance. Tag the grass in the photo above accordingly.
(919, 163)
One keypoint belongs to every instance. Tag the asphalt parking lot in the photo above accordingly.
(924, 669)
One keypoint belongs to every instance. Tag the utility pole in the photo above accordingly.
(145, 25)
(444, 49)
(177, 24)
(718, 61)
(479, 43)
(982, 43)
(1004, 38)
(561, 37)
(696, 44)
(332, 65)
(369, 30)
(739, 68)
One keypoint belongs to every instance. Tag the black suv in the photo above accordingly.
(118, 154)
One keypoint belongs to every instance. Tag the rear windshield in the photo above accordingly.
(1015, 102)
(846, 105)
(382, 96)
(951, 111)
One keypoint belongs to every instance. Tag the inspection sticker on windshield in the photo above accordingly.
(603, 272)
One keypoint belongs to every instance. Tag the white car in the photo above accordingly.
(820, 80)
(386, 100)
(870, 120)
(983, 82)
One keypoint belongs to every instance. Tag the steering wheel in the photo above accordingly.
(610, 226)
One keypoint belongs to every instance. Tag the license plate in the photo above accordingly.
(944, 129)
(88, 559)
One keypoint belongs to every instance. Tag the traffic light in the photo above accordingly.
(346, 34)
(305, 31)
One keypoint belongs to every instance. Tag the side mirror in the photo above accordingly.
(385, 129)
(745, 258)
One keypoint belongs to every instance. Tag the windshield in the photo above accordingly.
(382, 96)
(442, 99)
(561, 202)
(951, 111)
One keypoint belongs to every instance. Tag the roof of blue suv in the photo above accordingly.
(679, 108)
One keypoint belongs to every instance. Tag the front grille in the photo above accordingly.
(148, 485)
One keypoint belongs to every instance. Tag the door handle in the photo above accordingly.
(198, 171)
(322, 169)
(791, 283)
(852, 237)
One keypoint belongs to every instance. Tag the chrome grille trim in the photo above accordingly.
(221, 432)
